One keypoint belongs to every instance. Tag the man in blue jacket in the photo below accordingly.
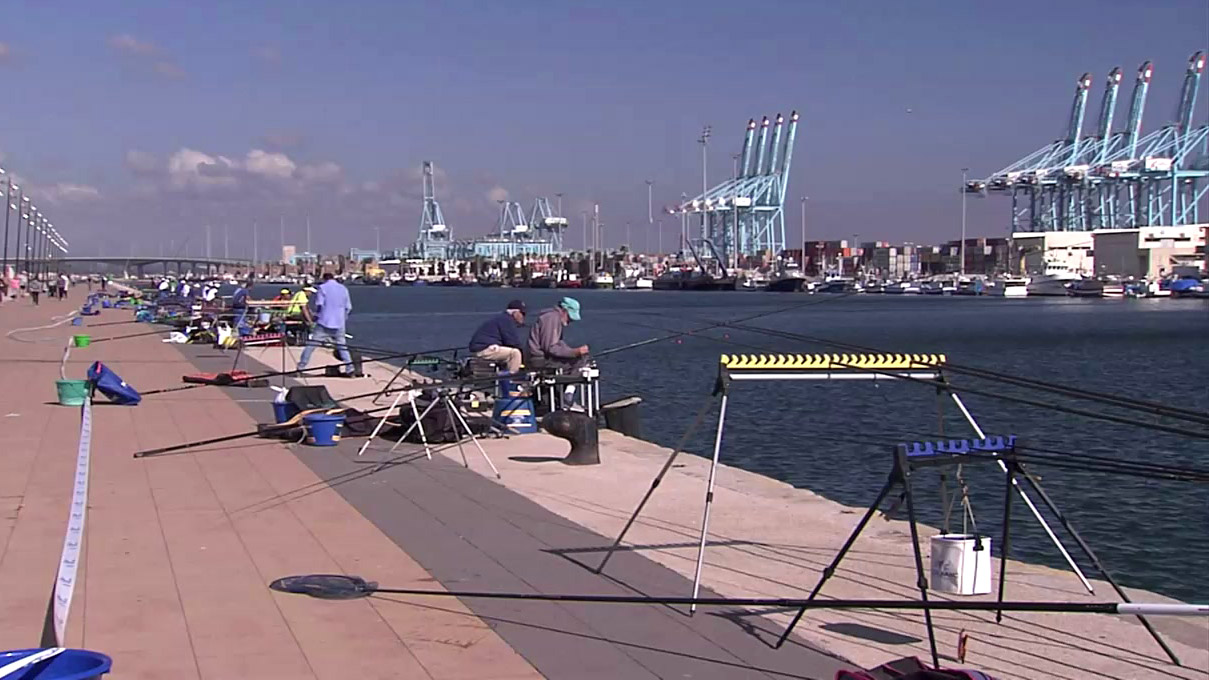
(497, 339)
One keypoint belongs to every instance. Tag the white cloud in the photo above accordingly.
(264, 172)
(189, 168)
(267, 164)
(67, 192)
(148, 53)
(497, 193)
(131, 45)
(320, 173)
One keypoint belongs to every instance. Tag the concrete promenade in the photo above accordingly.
(179, 549)
(768, 539)
(173, 580)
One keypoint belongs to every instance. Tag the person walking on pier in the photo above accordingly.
(332, 306)
(34, 288)
(497, 339)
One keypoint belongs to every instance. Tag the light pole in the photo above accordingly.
(378, 240)
(964, 171)
(704, 141)
(8, 197)
(30, 218)
(804, 199)
(683, 221)
(650, 188)
(584, 224)
(20, 208)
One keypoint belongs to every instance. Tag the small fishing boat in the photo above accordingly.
(572, 281)
(644, 283)
(1009, 286)
(789, 279)
(602, 280)
(541, 281)
(1086, 288)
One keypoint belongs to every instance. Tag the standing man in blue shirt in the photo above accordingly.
(332, 305)
(497, 340)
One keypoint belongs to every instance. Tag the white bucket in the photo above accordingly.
(959, 569)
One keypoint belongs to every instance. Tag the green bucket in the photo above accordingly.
(72, 392)
(81, 340)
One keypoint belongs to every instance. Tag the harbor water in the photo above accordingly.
(835, 437)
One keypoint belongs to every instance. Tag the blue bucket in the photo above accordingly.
(71, 664)
(323, 429)
(283, 411)
(515, 414)
(105, 304)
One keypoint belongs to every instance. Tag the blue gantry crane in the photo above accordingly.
(1112, 180)
(434, 240)
(547, 224)
(745, 216)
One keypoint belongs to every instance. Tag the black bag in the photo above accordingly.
(310, 397)
(437, 423)
(910, 668)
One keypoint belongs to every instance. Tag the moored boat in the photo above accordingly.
(789, 279)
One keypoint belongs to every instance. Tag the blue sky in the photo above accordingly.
(135, 123)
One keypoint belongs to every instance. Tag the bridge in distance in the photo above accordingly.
(162, 263)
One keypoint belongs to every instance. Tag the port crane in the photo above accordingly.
(547, 223)
(1112, 180)
(745, 216)
(435, 237)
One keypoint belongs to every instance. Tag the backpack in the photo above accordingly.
(910, 668)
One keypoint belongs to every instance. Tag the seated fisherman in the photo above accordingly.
(299, 301)
(546, 346)
(497, 339)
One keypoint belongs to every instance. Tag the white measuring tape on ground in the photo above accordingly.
(69, 563)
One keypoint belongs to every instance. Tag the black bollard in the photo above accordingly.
(578, 429)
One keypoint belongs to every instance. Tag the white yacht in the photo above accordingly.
(644, 283)
(1055, 280)
(1009, 286)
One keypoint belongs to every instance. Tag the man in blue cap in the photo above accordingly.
(546, 346)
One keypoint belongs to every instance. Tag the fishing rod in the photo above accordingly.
(673, 335)
(986, 374)
(472, 384)
(1122, 466)
(1157, 409)
(992, 395)
(342, 587)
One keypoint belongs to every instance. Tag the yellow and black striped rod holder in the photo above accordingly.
(830, 362)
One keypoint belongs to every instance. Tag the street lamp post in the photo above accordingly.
(650, 189)
(964, 172)
(8, 197)
(804, 199)
(20, 208)
(30, 217)
(704, 141)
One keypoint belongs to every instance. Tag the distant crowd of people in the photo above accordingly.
(53, 284)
